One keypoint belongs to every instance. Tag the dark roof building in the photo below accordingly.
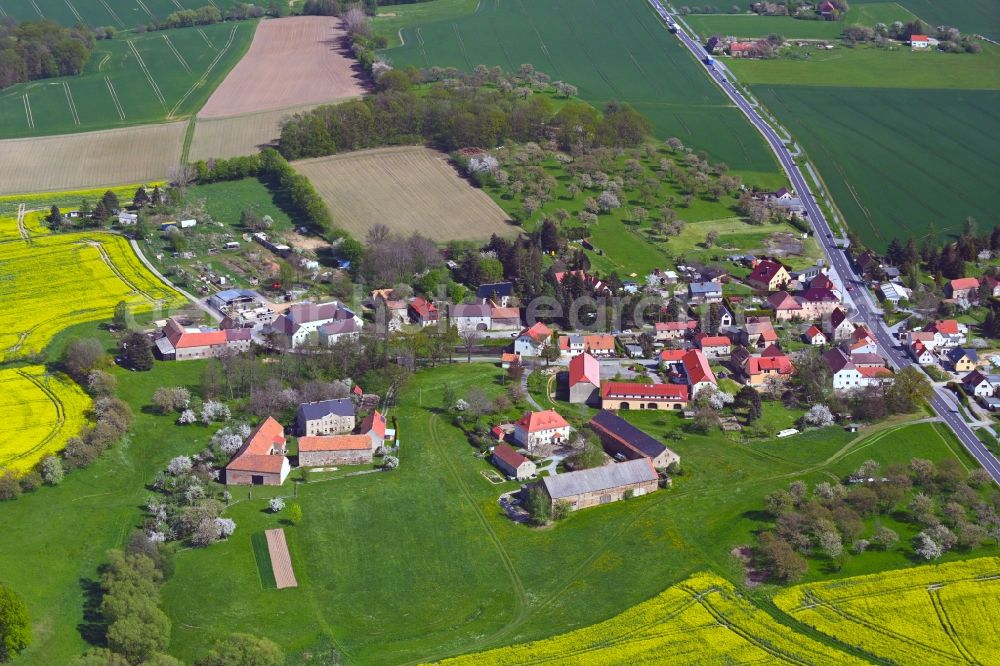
(622, 439)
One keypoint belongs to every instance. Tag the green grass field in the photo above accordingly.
(262, 556)
(753, 25)
(609, 51)
(898, 160)
(120, 14)
(130, 80)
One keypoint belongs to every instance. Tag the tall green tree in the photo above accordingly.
(244, 650)
(138, 351)
(15, 626)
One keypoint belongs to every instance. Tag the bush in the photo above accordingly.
(243, 649)
(51, 469)
(10, 487)
(276, 504)
(15, 627)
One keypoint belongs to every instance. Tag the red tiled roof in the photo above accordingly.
(584, 368)
(739, 47)
(772, 351)
(257, 463)
(507, 454)
(819, 295)
(255, 454)
(599, 342)
(822, 281)
(335, 443)
(714, 341)
(871, 373)
(547, 420)
(964, 283)
(374, 422)
(538, 332)
(650, 391)
(759, 364)
(919, 38)
(696, 367)
(671, 355)
(813, 332)
(508, 357)
(424, 308)
(943, 326)
(782, 300)
(677, 325)
(506, 313)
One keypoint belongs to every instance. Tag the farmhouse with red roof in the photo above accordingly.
(584, 378)
(538, 428)
(261, 460)
(512, 463)
(630, 395)
(768, 275)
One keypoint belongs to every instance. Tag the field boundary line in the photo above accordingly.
(106, 258)
(146, 9)
(420, 43)
(33, 4)
(72, 104)
(205, 37)
(2, 12)
(461, 44)
(27, 111)
(177, 53)
(179, 5)
(538, 35)
(113, 14)
(73, 9)
(145, 70)
(104, 61)
(56, 429)
(208, 70)
(21, 229)
(114, 98)
(942, 615)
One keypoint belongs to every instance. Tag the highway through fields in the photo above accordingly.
(851, 285)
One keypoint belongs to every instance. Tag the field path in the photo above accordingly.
(281, 561)
(21, 229)
(56, 428)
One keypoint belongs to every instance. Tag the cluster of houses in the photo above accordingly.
(492, 310)
(328, 435)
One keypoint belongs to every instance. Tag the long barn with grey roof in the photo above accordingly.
(622, 439)
(602, 485)
(326, 417)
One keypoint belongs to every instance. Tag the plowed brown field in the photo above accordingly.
(281, 561)
(408, 189)
(291, 62)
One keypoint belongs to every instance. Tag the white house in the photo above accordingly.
(978, 384)
(919, 42)
(531, 341)
(947, 333)
(471, 317)
(187, 224)
(539, 428)
(848, 375)
(301, 323)
(126, 218)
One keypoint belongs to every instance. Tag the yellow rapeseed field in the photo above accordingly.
(702, 620)
(40, 412)
(52, 282)
(933, 614)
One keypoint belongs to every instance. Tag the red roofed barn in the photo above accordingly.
(261, 460)
(584, 378)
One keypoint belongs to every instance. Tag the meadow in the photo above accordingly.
(130, 80)
(754, 25)
(609, 51)
(898, 161)
(41, 411)
(43, 298)
(120, 14)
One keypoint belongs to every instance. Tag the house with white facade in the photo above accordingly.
(532, 340)
(300, 324)
(541, 428)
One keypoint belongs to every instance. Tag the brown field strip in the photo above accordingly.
(90, 159)
(408, 189)
(291, 62)
(281, 561)
(233, 136)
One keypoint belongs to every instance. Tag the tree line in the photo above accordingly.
(456, 110)
(41, 50)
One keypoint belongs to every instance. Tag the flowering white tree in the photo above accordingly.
(926, 548)
(215, 411)
(608, 201)
(187, 416)
(276, 504)
(179, 465)
(380, 67)
(720, 399)
(225, 527)
(229, 440)
(818, 416)
(484, 163)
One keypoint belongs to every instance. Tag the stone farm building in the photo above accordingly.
(261, 460)
(326, 417)
(621, 439)
(185, 343)
(602, 485)
(627, 395)
(319, 451)
(584, 379)
(512, 463)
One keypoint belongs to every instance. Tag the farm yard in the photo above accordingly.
(897, 161)
(130, 80)
(40, 412)
(222, 138)
(90, 159)
(291, 62)
(409, 189)
(41, 298)
(609, 51)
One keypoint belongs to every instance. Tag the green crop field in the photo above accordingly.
(897, 161)
(132, 79)
(120, 14)
(617, 50)
(753, 25)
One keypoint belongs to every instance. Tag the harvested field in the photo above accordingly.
(90, 159)
(291, 62)
(408, 189)
(281, 561)
(238, 135)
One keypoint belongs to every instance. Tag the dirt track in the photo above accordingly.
(291, 62)
(408, 189)
(281, 562)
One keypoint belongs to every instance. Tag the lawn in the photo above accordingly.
(609, 51)
(897, 161)
(130, 80)
(227, 200)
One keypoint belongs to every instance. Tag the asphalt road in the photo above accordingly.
(841, 271)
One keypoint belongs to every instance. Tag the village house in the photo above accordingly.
(893, 292)
(325, 417)
(786, 307)
(918, 42)
(532, 340)
(505, 319)
(627, 395)
(838, 326)
(962, 360)
(624, 441)
(862, 341)
(512, 463)
(243, 308)
(977, 384)
(758, 332)
(697, 371)
(602, 485)
(300, 324)
(704, 292)
(762, 371)
(726, 318)
(768, 275)
(374, 427)
(597, 345)
(674, 330)
(326, 450)
(338, 330)
(947, 333)
(993, 285)
(471, 317)
(963, 289)
(423, 312)
(177, 342)
(261, 460)
(584, 379)
(814, 336)
(741, 49)
(921, 354)
(713, 346)
(848, 375)
(540, 428)
(508, 359)
(588, 280)
(671, 357)
(498, 293)
(817, 302)
(127, 219)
